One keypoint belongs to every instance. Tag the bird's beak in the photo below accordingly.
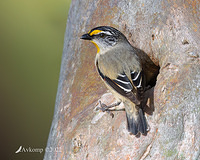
(86, 37)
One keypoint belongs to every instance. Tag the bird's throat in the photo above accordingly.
(96, 46)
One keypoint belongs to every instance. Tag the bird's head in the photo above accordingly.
(104, 37)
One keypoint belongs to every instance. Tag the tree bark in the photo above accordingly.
(169, 32)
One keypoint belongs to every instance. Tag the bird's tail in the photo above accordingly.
(137, 122)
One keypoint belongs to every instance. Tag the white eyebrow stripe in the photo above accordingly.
(105, 32)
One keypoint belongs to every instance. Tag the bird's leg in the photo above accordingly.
(103, 107)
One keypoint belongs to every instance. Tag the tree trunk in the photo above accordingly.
(168, 31)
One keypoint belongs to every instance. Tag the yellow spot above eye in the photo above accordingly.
(94, 32)
(96, 46)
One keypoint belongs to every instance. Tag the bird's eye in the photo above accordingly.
(102, 35)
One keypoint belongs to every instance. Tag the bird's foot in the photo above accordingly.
(103, 107)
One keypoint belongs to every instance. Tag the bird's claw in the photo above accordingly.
(104, 108)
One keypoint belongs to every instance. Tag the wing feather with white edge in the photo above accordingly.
(122, 85)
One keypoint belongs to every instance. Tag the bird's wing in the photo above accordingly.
(136, 78)
(123, 85)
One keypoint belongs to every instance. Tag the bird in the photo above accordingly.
(121, 69)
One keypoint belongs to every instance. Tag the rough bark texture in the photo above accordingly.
(169, 32)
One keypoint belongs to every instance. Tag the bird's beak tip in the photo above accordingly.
(86, 37)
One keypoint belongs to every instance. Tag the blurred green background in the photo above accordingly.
(31, 44)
